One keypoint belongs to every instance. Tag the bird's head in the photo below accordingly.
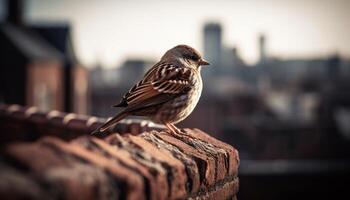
(186, 55)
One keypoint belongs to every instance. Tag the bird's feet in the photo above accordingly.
(173, 129)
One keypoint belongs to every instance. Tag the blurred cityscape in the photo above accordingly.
(277, 108)
(274, 109)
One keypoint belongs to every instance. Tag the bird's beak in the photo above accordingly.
(203, 62)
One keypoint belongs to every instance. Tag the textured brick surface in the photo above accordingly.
(191, 168)
(152, 165)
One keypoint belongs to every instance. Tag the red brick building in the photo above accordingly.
(39, 67)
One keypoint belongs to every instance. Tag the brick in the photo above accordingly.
(222, 190)
(17, 185)
(31, 156)
(191, 169)
(205, 148)
(233, 157)
(205, 164)
(82, 181)
(122, 156)
(154, 166)
(64, 175)
(131, 182)
(176, 175)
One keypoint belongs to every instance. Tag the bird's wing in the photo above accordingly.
(160, 84)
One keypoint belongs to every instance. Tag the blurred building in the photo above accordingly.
(39, 67)
(213, 43)
(262, 48)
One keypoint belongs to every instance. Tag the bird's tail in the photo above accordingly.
(111, 122)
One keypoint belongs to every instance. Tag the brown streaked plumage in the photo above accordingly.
(168, 92)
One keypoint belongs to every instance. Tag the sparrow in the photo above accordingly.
(168, 92)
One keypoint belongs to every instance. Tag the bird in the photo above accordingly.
(168, 92)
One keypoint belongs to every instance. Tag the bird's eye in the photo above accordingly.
(192, 57)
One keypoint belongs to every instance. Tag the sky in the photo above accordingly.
(109, 31)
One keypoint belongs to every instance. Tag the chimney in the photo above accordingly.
(15, 12)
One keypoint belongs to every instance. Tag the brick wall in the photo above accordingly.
(52, 155)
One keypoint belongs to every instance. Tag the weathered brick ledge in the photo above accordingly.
(66, 163)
